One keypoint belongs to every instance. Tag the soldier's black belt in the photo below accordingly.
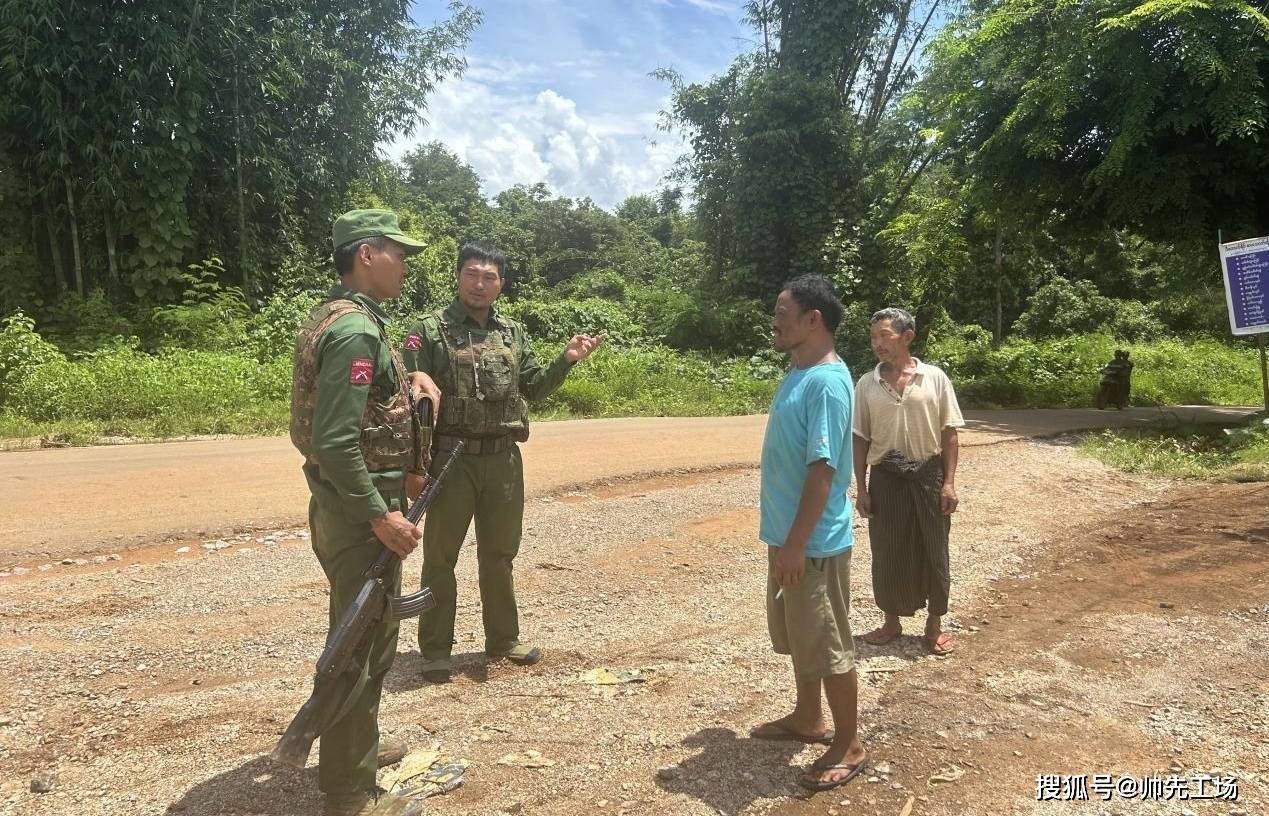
(475, 444)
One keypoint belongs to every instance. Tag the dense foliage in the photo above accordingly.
(136, 138)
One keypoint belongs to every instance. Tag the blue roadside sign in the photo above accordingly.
(1246, 268)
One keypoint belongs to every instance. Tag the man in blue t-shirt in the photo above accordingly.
(806, 524)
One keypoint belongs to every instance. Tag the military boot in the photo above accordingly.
(521, 654)
(436, 671)
(391, 750)
(372, 803)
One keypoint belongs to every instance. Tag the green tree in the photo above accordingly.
(799, 145)
(1148, 115)
(436, 175)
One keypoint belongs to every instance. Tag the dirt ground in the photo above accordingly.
(1104, 623)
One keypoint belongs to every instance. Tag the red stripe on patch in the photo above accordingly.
(361, 372)
(414, 342)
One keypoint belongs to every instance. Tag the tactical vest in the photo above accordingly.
(481, 389)
(391, 435)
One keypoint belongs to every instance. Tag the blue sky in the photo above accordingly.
(558, 90)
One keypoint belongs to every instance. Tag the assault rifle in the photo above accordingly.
(347, 648)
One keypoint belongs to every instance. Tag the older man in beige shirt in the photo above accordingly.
(905, 422)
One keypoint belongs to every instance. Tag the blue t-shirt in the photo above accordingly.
(809, 420)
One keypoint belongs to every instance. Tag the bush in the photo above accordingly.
(77, 323)
(660, 381)
(605, 284)
(1062, 308)
(854, 339)
(553, 323)
(1196, 313)
(22, 352)
(1135, 322)
(209, 317)
(739, 326)
(270, 332)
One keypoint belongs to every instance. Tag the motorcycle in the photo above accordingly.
(1113, 389)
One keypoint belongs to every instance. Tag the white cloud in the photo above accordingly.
(512, 137)
(504, 71)
(715, 6)
(711, 6)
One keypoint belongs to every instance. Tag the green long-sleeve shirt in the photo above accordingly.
(351, 355)
(425, 351)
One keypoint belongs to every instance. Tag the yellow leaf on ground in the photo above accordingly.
(609, 677)
(414, 763)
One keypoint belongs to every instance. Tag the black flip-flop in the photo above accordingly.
(782, 733)
(817, 785)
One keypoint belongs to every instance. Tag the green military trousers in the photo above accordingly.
(348, 751)
(489, 487)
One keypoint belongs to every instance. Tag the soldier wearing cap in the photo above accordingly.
(486, 368)
(352, 416)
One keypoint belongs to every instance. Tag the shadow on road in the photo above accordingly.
(730, 773)
(260, 787)
(407, 675)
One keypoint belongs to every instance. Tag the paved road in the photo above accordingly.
(61, 502)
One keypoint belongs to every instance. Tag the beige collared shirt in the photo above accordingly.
(911, 423)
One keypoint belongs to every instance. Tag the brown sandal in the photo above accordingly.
(940, 645)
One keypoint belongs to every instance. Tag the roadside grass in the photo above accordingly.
(127, 394)
(1182, 450)
(261, 419)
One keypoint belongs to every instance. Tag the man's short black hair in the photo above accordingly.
(345, 254)
(483, 252)
(815, 292)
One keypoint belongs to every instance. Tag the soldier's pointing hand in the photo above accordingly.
(581, 346)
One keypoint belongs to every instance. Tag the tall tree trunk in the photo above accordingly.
(74, 226)
(242, 225)
(999, 334)
(242, 203)
(916, 43)
(911, 182)
(111, 241)
(54, 248)
(883, 76)
(766, 34)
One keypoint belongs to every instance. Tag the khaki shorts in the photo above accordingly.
(811, 621)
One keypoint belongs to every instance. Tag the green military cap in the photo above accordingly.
(358, 224)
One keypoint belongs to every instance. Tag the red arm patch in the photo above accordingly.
(413, 342)
(361, 372)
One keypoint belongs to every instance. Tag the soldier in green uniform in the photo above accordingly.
(486, 371)
(352, 416)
